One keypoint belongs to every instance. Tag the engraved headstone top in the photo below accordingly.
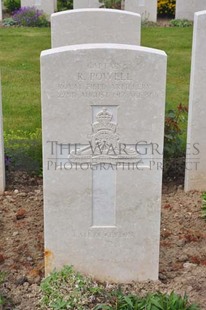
(95, 26)
(103, 125)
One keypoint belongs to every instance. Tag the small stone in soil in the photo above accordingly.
(189, 265)
(22, 194)
(21, 280)
(21, 213)
(162, 277)
(183, 258)
(1, 258)
(34, 280)
(29, 258)
(181, 242)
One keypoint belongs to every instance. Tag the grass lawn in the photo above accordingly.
(19, 63)
(20, 72)
(177, 43)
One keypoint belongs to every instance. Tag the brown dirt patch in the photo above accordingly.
(182, 248)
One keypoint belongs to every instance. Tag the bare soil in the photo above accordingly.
(182, 247)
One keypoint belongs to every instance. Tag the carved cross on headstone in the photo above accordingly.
(104, 154)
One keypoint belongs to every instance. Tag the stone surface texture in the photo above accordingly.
(146, 8)
(95, 26)
(2, 160)
(105, 224)
(195, 176)
(48, 6)
(185, 9)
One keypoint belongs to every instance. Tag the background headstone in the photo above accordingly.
(81, 4)
(2, 160)
(185, 9)
(146, 8)
(102, 211)
(195, 177)
(48, 6)
(0, 10)
(95, 26)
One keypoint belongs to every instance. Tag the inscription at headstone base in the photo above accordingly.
(103, 124)
(95, 26)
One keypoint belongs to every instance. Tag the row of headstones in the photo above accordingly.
(102, 205)
(185, 9)
(147, 8)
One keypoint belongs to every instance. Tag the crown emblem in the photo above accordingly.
(104, 116)
(104, 122)
(104, 130)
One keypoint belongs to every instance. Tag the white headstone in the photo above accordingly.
(2, 160)
(48, 6)
(146, 8)
(195, 177)
(102, 189)
(185, 9)
(81, 4)
(0, 10)
(95, 26)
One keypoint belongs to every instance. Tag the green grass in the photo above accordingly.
(68, 289)
(177, 43)
(20, 50)
(19, 62)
